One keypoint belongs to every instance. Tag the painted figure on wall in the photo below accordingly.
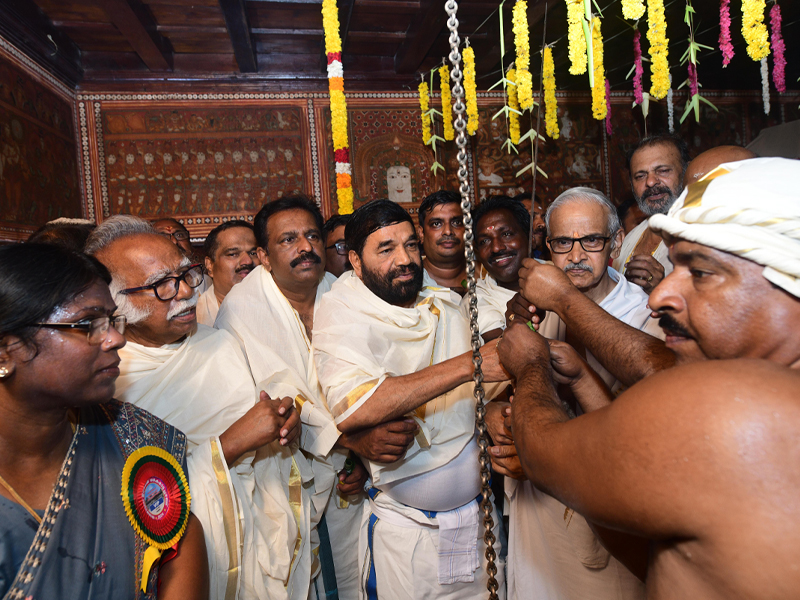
(398, 182)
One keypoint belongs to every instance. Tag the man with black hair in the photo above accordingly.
(539, 229)
(390, 342)
(336, 261)
(271, 313)
(230, 256)
(656, 166)
(441, 230)
(502, 225)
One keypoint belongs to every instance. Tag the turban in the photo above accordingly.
(749, 208)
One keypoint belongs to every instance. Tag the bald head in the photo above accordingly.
(711, 159)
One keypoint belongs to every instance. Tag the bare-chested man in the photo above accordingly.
(701, 460)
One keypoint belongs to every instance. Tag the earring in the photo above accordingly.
(4, 372)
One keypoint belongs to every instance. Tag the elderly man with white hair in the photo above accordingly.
(553, 554)
(699, 462)
(249, 482)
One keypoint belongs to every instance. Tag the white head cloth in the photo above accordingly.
(749, 208)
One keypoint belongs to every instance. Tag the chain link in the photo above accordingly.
(451, 8)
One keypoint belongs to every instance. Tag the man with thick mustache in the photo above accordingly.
(389, 342)
(271, 314)
(552, 552)
(656, 165)
(230, 256)
(441, 230)
(240, 450)
(501, 244)
(699, 461)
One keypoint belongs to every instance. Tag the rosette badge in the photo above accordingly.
(156, 497)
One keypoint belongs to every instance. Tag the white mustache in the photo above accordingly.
(181, 306)
(580, 265)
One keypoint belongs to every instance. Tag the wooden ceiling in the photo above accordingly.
(276, 45)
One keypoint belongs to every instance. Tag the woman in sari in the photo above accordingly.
(66, 528)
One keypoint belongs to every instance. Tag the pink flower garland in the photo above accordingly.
(638, 69)
(725, 45)
(778, 49)
(608, 107)
(693, 87)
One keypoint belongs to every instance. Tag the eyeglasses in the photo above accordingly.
(179, 236)
(590, 243)
(167, 288)
(341, 248)
(96, 329)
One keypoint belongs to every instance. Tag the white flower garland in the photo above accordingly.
(670, 108)
(765, 84)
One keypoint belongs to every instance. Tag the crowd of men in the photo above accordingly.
(641, 387)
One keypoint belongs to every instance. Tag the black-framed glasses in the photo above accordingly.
(96, 329)
(341, 248)
(590, 243)
(180, 236)
(167, 287)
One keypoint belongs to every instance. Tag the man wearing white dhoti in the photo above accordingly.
(230, 256)
(271, 314)
(248, 481)
(502, 227)
(389, 342)
(552, 552)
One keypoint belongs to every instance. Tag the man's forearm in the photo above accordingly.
(591, 391)
(398, 396)
(627, 353)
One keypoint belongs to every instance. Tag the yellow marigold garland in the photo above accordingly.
(550, 104)
(447, 103)
(577, 41)
(522, 44)
(632, 9)
(657, 36)
(341, 145)
(599, 107)
(424, 106)
(753, 28)
(513, 104)
(470, 90)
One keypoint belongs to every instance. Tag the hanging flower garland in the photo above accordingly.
(599, 89)
(638, 69)
(577, 39)
(513, 104)
(424, 106)
(550, 103)
(470, 90)
(632, 9)
(659, 52)
(447, 103)
(725, 45)
(778, 49)
(670, 108)
(609, 131)
(765, 85)
(341, 146)
(519, 20)
(753, 28)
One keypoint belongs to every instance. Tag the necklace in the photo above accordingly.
(19, 498)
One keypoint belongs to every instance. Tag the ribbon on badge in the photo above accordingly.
(156, 497)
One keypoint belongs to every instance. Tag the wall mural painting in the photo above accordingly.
(194, 161)
(38, 156)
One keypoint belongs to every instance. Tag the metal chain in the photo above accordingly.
(451, 8)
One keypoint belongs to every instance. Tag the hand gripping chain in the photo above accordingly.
(451, 8)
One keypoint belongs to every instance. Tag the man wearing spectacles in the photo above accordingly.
(176, 233)
(239, 455)
(336, 255)
(584, 234)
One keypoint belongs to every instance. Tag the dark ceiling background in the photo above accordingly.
(278, 44)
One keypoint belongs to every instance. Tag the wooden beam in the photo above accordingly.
(136, 24)
(26, 26)
(272, 31)
(235, 15)
(422, 33)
